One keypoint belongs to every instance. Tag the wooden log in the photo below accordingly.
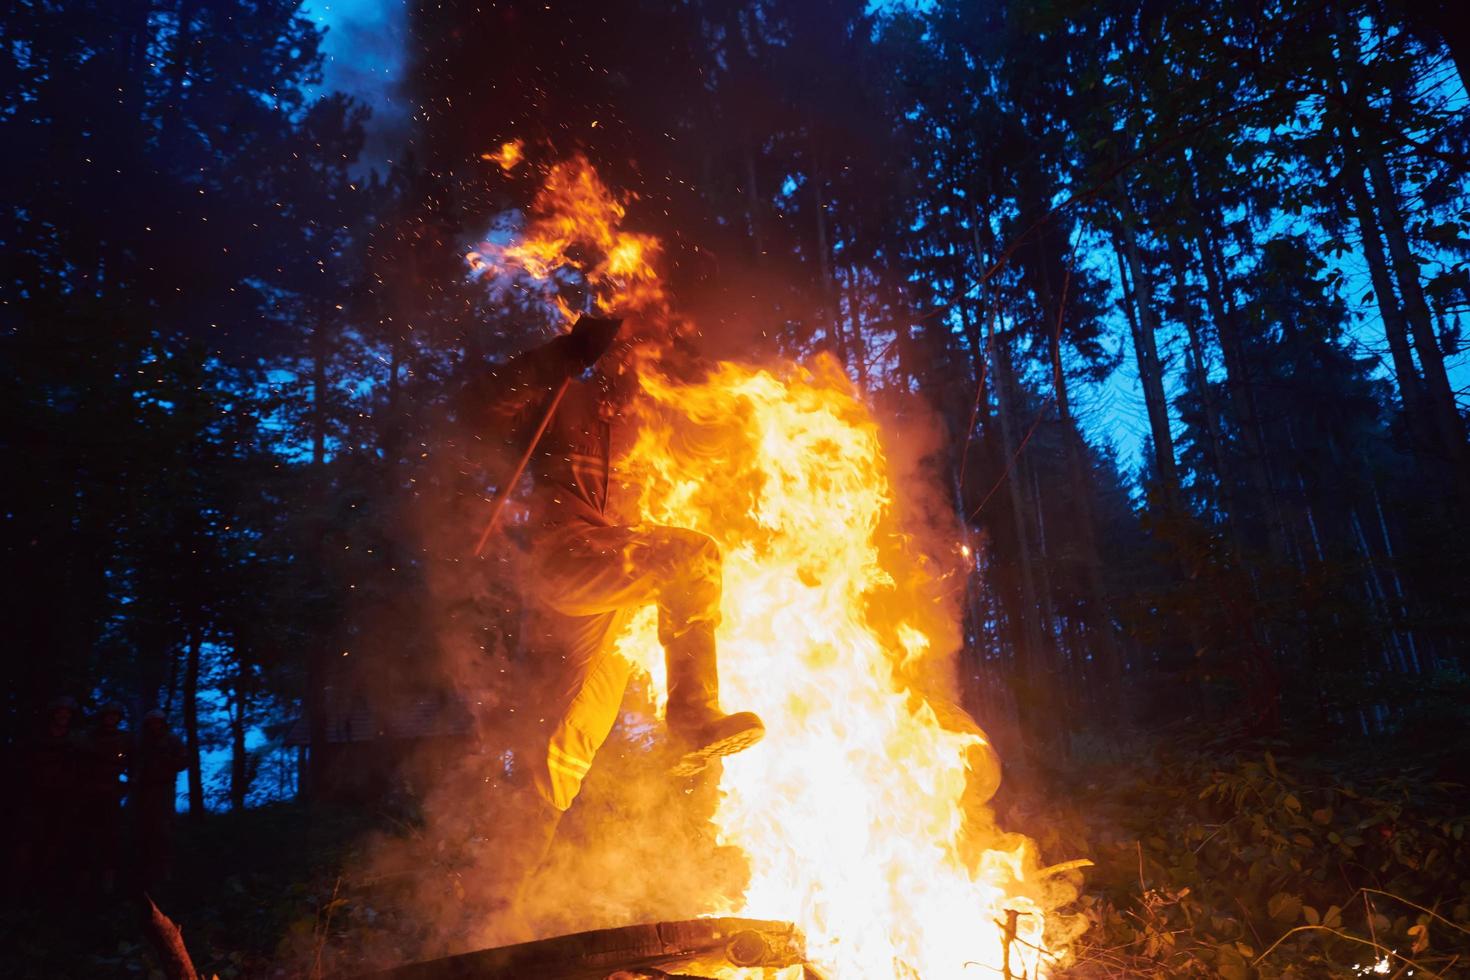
(168, 943)
(597, 954)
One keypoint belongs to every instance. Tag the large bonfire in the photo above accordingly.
(857, 814)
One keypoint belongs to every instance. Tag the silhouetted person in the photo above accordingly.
(51, 762)
(590, 567)
(158, 758)
(105, 757)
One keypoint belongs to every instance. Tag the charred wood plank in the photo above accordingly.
(599, 953)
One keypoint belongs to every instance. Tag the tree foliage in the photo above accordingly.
(1183, 284)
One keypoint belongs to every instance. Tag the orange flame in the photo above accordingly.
(576, 224)
(509, 156)
(856, 814)
(852, 812)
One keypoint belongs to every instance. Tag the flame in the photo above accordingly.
(857, 813)
(509, 156)
(852, 813)
(575, 224)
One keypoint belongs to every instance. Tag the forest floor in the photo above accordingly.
(1220, 856)
(1294, 858)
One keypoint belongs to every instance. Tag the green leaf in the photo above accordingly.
(1333, 918)
(1310, 914)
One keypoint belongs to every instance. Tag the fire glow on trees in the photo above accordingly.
(853, 813)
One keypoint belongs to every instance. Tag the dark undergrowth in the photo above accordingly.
(1314, 856)
(249, 890)
(1215, 855)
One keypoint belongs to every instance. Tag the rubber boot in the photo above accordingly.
(694, 713)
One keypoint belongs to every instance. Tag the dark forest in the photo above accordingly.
(1157, 308)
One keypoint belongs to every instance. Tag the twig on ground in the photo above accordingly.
(325, 932)
(1245, 914)
(1377, 947)
(1416, 905)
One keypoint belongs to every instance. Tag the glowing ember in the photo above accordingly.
(509, 156)
(853, 813)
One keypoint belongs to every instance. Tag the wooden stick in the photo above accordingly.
(168, 944)
(505, 491)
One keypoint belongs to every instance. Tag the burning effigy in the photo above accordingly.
(861, 816)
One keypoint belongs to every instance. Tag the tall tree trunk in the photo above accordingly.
(1057, 691)
(239, 757)
(1138, 301)
(1395, 654)
(1034, 656)
(1419, 653)
(1137, 290)
(1199, 373)
(755, 222)
(1031, 651)
(1448, 425)
(1443, 21)
(390, 434)
(182, 61)
(824, 258)
(192, 654)
(1231, 333)
(853, 290)
(1417, 416)
(1079, 476)
(1388, 584)
(319, 656)
(1309, 519)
